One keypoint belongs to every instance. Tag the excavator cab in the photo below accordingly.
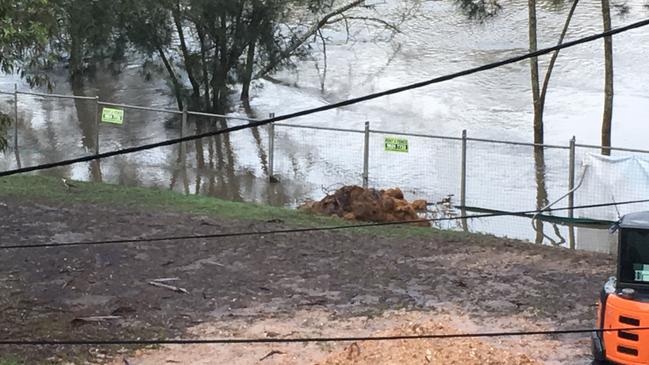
(624, 300)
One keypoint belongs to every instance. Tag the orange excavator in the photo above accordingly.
(624, 301)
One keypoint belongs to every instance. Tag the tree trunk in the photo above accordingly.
(541, 190)
(206, 75)
(76, 54)
(189, 64)
(174, 78)
(247, 76)
(222, 104)
(534, 64)
(608, 82)
(323, 78)
(217, 80)
(220, 70)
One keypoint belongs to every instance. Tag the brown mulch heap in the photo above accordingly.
(436, 351)
(357, 203)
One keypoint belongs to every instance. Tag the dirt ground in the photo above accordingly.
(320, 323)
(319, 283)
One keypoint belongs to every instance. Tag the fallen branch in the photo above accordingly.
(94, 319)
(163, 280)
(270, 354)
(169, 287)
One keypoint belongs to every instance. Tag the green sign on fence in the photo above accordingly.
(393, 144)
(114, 116)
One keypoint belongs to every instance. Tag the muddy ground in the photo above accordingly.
(462, 283)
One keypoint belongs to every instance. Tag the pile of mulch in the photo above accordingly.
(455, 351)
(357, 203)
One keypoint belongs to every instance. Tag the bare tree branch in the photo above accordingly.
(386, 24)
(288, 52)
(323, 78)
(553, 60)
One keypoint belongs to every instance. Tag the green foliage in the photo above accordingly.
(25, 28)
(8, 362)
(147, 24)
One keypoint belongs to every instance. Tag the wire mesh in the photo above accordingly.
(516, 178)
(149, 168)
(315, 161)
(232, 166)
(53, 129)
(430, 169)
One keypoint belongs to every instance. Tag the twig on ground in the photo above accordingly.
(270, 354)
(170, 287)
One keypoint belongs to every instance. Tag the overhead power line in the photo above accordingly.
(248, 341)
(348, 102)
(302, 230)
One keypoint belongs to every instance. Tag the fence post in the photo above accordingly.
(571, 178)
(366, 157)
(97, 125)
(463, 173)
(271, 149)
(17, 153)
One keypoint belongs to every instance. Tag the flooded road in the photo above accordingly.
(308, 163)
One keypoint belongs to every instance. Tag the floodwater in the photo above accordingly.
(308, 163)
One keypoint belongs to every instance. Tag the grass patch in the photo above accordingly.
(51, 189)
(9, 361)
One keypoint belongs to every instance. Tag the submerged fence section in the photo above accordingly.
(474, 173)
(310, 160)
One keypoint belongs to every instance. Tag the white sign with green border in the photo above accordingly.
(112, 115)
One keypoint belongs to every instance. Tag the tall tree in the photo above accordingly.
(608, 80)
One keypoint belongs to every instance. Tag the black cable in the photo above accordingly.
(417, 85)
(302, 230)
(231, 341)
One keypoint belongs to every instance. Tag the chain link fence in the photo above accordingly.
(430, 168)
(330, 157)
(53, 127)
